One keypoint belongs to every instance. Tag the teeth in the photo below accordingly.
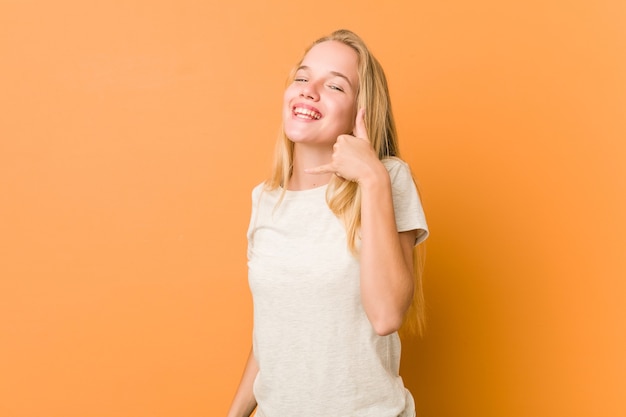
(301, 112)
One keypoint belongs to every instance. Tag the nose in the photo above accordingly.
(309, 91)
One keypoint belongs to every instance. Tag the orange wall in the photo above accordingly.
(131, 134)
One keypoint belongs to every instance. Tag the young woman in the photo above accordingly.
(330, 247)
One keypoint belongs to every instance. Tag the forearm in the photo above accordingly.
(244, 402)
(385, 256)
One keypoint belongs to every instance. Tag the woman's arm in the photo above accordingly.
(244, 402)
(386, 256)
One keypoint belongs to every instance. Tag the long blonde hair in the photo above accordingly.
(343, 196)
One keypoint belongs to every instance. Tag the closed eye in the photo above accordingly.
(335, 87)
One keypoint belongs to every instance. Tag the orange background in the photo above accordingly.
(131, 135)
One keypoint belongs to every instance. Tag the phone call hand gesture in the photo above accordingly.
(354, 158)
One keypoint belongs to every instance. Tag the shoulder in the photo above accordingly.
(407, 204)
(257, 193)
(399, 171)
(263, 195)
(257, 190)
(262, 189)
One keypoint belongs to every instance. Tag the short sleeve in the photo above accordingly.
(407, 205)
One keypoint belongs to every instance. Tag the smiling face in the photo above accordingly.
(320, 103)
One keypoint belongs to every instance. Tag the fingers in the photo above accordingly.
(348, 146)
(360, 131)
(322, 169)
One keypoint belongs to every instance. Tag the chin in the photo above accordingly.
(296, 135)
(298, 138)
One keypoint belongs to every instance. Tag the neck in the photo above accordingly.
(305, 156)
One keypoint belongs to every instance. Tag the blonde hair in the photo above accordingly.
(343, 196)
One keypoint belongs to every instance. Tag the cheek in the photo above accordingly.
(288, 96)
(348, 115)
(290, 92)
(286, 103)
(285, 100)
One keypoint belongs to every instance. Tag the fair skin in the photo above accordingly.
(330, 138)
(325, 85)
(244, 402)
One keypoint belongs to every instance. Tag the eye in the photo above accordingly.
(335, 87)
(300, 80)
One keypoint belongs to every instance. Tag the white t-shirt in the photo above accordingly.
(317, 352)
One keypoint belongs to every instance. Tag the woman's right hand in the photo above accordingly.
(244, 402)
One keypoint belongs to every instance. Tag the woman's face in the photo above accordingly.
(320, 103)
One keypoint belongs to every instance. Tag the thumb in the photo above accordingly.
(360, 131)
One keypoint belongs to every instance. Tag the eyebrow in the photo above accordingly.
(335, 73)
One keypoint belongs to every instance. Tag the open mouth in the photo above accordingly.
(302, 113)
